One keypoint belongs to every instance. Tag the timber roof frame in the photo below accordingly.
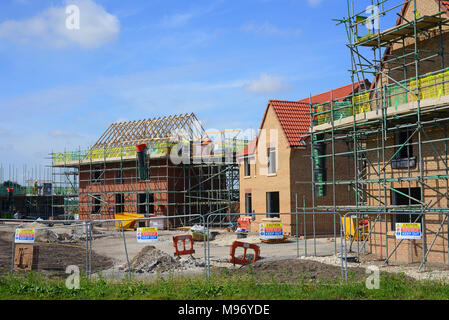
(171, 128)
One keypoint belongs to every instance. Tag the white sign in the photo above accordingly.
(146, 235)
(408, 231)
(271, 231)
(24, 236)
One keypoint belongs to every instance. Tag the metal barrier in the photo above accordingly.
(47, 249)
(384, 238)
(105, 247)
(138, 254)
(96, 247)
(311, 234)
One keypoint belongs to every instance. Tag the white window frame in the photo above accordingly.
(272, 165)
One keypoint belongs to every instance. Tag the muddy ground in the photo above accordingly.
(5, 256)
(62, 246)
(53, 258)
(293, 270)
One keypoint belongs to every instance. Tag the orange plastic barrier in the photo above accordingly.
(244, 222)
(363, 223)
(183, 238)
(245, 246)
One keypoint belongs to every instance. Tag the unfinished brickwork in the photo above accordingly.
(397, 130)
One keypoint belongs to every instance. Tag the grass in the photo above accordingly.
(37, 287)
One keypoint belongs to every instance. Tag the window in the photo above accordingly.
(118, 176)
(403, 156)
(273, 204)
(248, 203)
(247, 167)
(96, 204)
(119, 203)
(271, 160)
(96, 174)
(4, 206)
(145, 203)
(398, 199)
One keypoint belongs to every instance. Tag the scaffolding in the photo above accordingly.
(396, 130)
(180, 171)
(29, 190)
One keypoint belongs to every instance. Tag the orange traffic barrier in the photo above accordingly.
(245, 246)
(183, 238)
(244, 222)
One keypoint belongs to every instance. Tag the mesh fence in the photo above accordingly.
(155, 247)
(45, 247)
(145, 248)
(276, 245)
(397, 238)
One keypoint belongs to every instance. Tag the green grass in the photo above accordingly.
(34, 286)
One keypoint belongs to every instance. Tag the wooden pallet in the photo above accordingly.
(285, 239)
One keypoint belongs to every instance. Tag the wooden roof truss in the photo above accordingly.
(172, 128)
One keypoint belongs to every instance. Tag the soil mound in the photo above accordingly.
(151, 259)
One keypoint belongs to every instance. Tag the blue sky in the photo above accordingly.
(138, 59)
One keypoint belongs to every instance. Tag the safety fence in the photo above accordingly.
(43, 246)
(267, 243)
(278, 247)
(110, 248)
(397, 238)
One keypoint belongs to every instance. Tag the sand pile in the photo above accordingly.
(227, 238)
(150, 259)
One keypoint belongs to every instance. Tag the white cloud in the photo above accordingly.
(269, 29)
(48, 28)
(64, 134)
(176, 20)
(267, 84)
(314, 3)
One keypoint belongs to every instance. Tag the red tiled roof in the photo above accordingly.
(336, 94)
(249, 149)
(294, 117)
(445, 4)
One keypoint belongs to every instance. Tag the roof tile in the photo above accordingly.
(445, 3)
(294, 116)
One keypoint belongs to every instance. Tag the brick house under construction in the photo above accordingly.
(157, 167)
(275, 168)
(398, 130)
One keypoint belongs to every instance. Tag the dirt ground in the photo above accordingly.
(293, 270)
(5, 256)
(53, 258)
(306, 260)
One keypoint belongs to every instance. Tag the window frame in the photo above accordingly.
(269, 209)
(248, 199)
(415, 192)
(149, 208)
(271, 156)
(246, 167)
(404, 158)
(121, 204)
(96, 173)
(96, 207)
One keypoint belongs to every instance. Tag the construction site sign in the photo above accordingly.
(408, 231)
(24, 236)
(146, 235)
(271, 231)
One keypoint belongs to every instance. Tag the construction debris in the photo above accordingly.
(61, 234)
(150, 259)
